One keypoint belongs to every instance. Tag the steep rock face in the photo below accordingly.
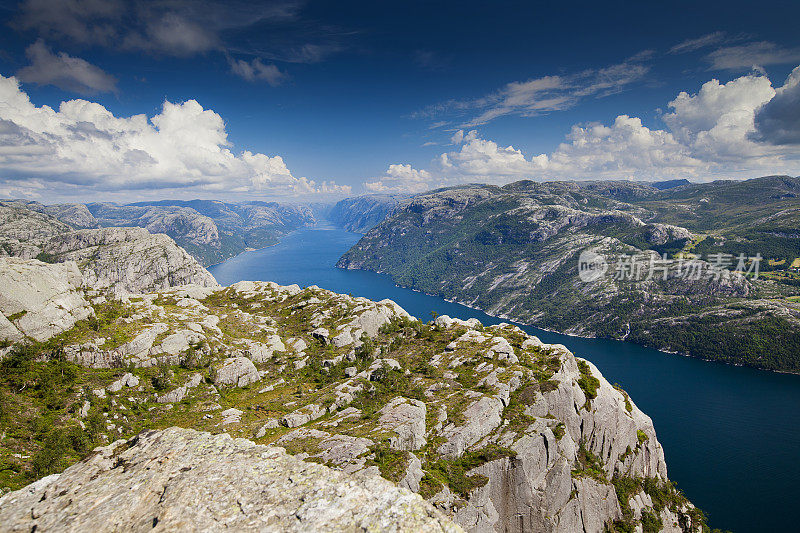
(514, 252)
(362, 213)
(123, 259)
(210, 230)
(76, 216)
(183, 480)
(39, 300)
(128, 259)
(21, 229)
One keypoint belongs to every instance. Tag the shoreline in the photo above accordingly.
(576, 336)
(512, 319)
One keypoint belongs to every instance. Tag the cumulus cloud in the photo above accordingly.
(778, 121)
(545, 94)
(82, 144)
(479, 159)
(257, 70)
(750, 55)
(64, 71)
(733, 128)
(717, 121)
(401, 178)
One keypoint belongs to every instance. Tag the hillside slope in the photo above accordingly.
(513, 251)
(361, 213)
(496, 429)
(182, 466)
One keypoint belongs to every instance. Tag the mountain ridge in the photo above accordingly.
(513, 251)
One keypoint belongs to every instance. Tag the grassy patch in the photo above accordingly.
(587, 382)
(589, 465)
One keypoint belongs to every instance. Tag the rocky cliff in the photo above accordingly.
(120, 259)
(128, 259)
(514, 252)
(210, 230)
(361, 213)
(183, 480)
(497, 430)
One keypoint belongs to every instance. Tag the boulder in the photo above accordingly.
(128, 380)
(235, 372)
(406, 418)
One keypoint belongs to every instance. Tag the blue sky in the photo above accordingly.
(338, 98)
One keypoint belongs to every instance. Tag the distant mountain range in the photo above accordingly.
(514, 251)
(209, 230)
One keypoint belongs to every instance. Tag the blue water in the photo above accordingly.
(731, 435)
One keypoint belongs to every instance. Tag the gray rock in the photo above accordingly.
(302, 416)
(406, 418)
(128, 260)
(321, 334)
(41, 299)
(128, 380)
(173, 396)
(236, 372)
(231, 416)
(482, 417)
(183, 480)
(261, 352)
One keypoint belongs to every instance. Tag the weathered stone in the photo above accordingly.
(41, 299)
(481, 418)
(231, 416)
(182, 480)
(406, 418)
(302, 416)
(128, 380)
(236, 371)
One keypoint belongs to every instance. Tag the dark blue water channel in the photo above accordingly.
(731, 435)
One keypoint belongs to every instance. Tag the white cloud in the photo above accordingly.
(64, 71)
(479, 159)
(256, 70)
(401, 178)
(624, 150)
(750, 55)
(709, 134)
(82, 144)
(717, 121)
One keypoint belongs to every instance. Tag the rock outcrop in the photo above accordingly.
(184, 480)
(124, 260)
(498, 430)
(39, 300)
(128, 260)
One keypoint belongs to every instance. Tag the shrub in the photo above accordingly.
(587, 382)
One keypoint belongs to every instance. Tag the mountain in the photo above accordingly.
(514, 252)
(362, 213)
(210, 230)
(669, 184)
(118, 259)
(494, 428)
